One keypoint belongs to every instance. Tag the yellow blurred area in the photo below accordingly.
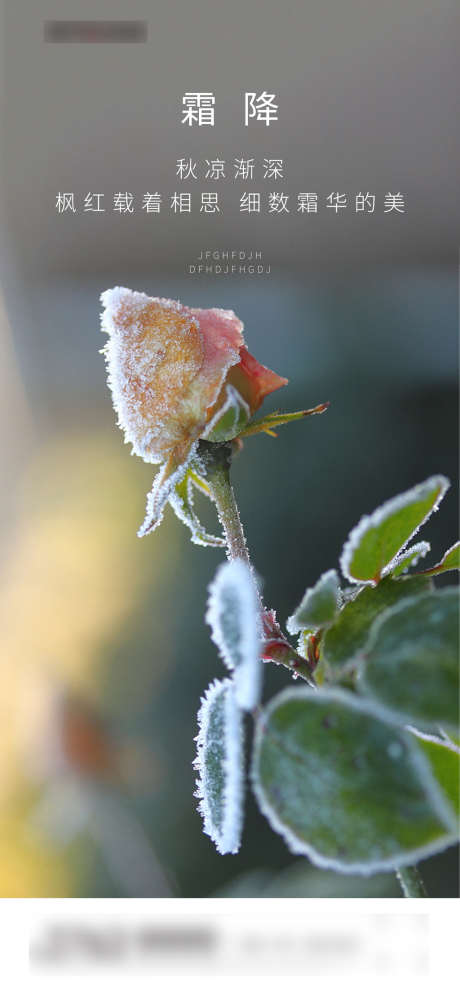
(75, 566)
(29, 867)
(73, 571)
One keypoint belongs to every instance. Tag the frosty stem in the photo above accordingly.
(411, 881)
(218, 466)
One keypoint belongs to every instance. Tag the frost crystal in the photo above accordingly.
(408, 559)
(163, 485)
(234, 617)
(229, 419)
(181, 500)
(220, 765)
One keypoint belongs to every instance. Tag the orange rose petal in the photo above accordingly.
(254, 381)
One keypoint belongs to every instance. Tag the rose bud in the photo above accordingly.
(177, 374)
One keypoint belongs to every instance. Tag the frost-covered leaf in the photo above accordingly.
(445, 766)
(220, 766)
(181, 500)
(230, 419)
(164, 483)
(344, 786)
(319, 605)
(450, 561)
(409, 558)
(268, 423)
(234, 617)
(348, 635)
(377, 539)
(303, 642)
(410, 663)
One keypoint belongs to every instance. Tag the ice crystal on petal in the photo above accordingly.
(166, 365)
(233, 614)
(219, 762)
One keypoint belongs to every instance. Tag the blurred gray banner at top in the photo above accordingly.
(367, 102)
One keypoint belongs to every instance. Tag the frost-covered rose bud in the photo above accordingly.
(177, 374)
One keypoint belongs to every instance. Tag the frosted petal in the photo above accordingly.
(166, 365)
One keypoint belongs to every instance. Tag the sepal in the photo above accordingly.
(268, 423)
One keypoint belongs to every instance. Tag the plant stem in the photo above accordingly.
(218, 478)
(411, 881)
(282, 653)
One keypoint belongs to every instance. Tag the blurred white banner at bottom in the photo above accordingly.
(111, 939)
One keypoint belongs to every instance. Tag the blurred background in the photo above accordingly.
(105, 652)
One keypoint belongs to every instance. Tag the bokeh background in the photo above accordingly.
(102, 634)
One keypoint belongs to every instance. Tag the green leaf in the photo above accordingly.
(319, 605)
(409, 558)
(181, 500)
(231, 418)
(450, 562)
(445, 766)
(377, 539)
(410, 663)
(220, 761)
(344, 786)
(344, 640)
(268, 422)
